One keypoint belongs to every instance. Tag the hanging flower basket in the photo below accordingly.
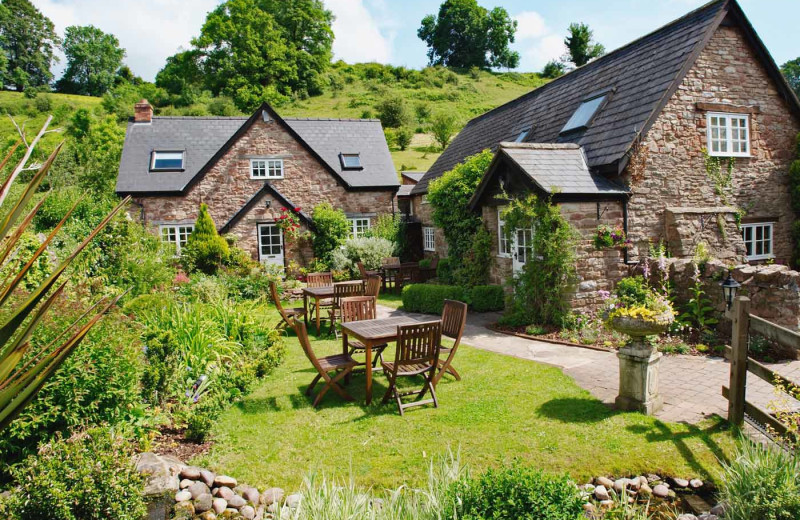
(606, 237)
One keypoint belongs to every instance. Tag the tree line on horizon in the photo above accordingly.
(263, 50)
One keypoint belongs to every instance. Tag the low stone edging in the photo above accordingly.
(494, 328)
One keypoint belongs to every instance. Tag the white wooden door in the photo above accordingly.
(521, 248)
(270, 244)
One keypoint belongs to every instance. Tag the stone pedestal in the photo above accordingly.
(638, 378)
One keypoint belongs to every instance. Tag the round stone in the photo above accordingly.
(197, 489)
(251, 495)
(601, 493)
(225, 480)
(219, 505)
(208, 515)
(248, 512)
(271, 495)
(225, 492)
(203, 502)
(183, 509)
(236, 501)
(191, 473)
(185, 483)
(661, 491)
(182, 496)
(696, 483)
(680, 482)
(293, 500)
(605, 482)
(207, 477)
(620, 485)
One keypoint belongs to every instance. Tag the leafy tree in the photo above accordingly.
(465, 35)
(392, 112)
(403, 137)
(443, 126)
(93, 58)
(255, 51)
(182, 77)
(205, 250)
(580, 47)
(126, 75)
(28, 39)
(791, 69)
(331, 229)
(554, 69)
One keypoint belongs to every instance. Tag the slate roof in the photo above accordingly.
(414, 176)
(205, 138)
(639, 79)
(560, 168)
(405, 190)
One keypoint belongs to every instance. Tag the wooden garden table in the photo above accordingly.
(319, 294)
(371, 333)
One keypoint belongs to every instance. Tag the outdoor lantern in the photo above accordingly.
(729, 288)
(267, 203)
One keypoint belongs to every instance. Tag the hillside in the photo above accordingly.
(355, 92)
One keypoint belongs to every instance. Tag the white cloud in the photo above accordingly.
(536, 42)
(149, 30)
(358, 33)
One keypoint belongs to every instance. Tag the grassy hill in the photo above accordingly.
(356, 91)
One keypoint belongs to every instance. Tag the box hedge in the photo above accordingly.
(429, 298)
(485, 298)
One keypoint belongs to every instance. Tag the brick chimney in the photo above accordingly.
(142, 112)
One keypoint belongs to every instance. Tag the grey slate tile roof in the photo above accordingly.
(405, 190)
(414, 176)
(203, 137)
(639, 76)
(558, 168)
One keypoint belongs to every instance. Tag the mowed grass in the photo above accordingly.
(504, 409)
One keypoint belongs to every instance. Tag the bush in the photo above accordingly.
(205, 250)
(369, 250)
(761, 482)
(403, 137)
(222, 106)
(430, 298)
(331, 229)
(204, 289)
(43, 103)
(516, 492)
(487, 298)
(444, 271)
(392, 112)
(89, 476)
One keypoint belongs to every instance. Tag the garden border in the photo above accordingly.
(494, 328)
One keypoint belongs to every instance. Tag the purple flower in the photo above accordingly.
(604, 294)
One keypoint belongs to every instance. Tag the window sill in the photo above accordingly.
(726, 155)
(759, 258)
(265, 178)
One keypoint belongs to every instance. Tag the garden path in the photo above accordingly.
(691, 385)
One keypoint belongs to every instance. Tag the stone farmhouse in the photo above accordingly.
(644, 138)
(247, 169)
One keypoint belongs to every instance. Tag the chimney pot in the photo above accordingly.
(142, 112)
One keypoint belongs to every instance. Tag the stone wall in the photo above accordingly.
(227, 186)
(668, 168)
(423, 212)
(687, 228)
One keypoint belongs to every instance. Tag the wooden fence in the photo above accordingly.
(744, 324)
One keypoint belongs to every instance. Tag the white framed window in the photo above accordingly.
(428, 239)
(266, 168)
(350, 161)
(758, 240)
(425, 199)
(503, 245)
(177, 234)
(165, 161)
(359, 226)
(728, 134)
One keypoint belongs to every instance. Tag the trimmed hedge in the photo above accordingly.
(486, 298)
(430, 298)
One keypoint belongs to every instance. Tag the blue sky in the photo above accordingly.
(385, 30)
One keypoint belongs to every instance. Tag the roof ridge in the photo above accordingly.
(539, 146)
(223, 118)
(601, 59)
(347, 119)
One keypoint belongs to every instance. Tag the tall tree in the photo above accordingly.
(93, 59)
(29, 40)
(259, 50)
(465, 35)
(791, 69)
(581, 49)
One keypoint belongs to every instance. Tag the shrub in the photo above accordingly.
(331, 229)
(761, 482)
(204, 289)
(425, 263)
(205, 250)
(516, 492)
(222, 106)
(43, 103)
(430, 298)
(391, 228)
(392, 112)
(369, 250)
(403, 137)
(423, 112)
(487, 298)
(86, 477)
(443, 126)
(477, 261)
(444, 271)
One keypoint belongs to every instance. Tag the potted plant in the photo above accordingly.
(637, 310)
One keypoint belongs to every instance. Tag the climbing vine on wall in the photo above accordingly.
(794, 192)
(722, 177)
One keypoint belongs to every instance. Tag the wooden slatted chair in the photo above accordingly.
(341, 291)
(373, 287)
(417, 354)
(408, 274)
(359, 308)
(287, 315)
(340, 365)
(389, 275)
(454, 318)
(390, 260)
(320, 280)
(363, 271)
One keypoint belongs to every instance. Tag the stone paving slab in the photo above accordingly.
(691, 385)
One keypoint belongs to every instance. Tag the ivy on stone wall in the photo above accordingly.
(794, 192)
(722, 179)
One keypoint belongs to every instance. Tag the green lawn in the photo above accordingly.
(395, 301)
(503, 409)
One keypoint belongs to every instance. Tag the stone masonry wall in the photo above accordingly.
(424, 213)
(668, 169)
(227, 186)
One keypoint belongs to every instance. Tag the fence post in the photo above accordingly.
(739, 337)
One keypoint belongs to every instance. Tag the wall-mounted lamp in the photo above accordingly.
(267, 203)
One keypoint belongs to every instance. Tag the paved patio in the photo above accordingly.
(691, 385)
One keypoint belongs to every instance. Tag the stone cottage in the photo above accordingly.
(683, 136)
(247, 169)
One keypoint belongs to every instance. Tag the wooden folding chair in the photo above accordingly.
(287, 315)
(341, 291)
(373, 287)
(340, 365)
(319, 280)
(454, 318)
(363, 271)
(359, 308)
(417, 354)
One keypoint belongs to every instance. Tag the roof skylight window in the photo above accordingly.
(350, 161)
(586, 111)
(167, 161)
(522, 135)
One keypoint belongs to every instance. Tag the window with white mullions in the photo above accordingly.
(266, 168)
(728, 134)
(429, 239)
(359, 227)
(758, 240)
(177, 235)
(503, 245)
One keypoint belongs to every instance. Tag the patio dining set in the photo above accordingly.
(351, 313)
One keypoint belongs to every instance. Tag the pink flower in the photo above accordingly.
(604, 294)
(181, 278)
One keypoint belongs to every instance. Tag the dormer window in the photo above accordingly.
(584, 115)
(167, 161)
(522, 135)
(350, 161)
